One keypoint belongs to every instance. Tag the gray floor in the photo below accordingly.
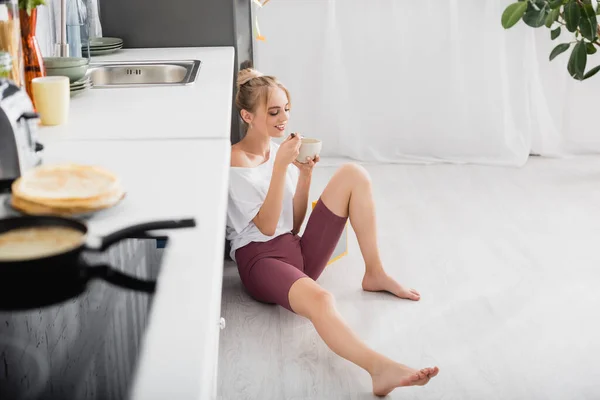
(507, 261)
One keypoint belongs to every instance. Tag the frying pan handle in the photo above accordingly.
(125, 233)
(118, 278)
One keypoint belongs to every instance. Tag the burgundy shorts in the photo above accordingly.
(268, 270)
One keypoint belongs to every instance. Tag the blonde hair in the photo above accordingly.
(254, 89)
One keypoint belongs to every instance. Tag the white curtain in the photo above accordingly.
(45, 34)
(563, 110)
(423, 81)
(48, 29)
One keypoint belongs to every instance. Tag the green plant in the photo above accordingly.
(578, 17)
(29, 5)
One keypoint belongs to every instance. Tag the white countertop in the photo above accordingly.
(191, 111)
(180, 345)
(171, 147)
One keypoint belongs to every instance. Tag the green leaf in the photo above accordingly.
(513, 14)
(578, 61)
(555, 4)
(561, 48)
(588, 25)
(555, 33)
(590, 48)
(535, 18)
(572, 16)
(591, 72)
(29, 5)
(552, 17)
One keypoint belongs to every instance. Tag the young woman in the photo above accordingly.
(268, 198)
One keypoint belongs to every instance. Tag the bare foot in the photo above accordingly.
(390, 375)
(382, 282)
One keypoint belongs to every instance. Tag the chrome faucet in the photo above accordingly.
(62, 47)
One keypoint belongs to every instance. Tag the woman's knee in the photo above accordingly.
(355, 172)
(320, 302)
(309, 299)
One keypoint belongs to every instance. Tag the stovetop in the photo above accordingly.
(86, 348)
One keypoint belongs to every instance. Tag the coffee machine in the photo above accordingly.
(19, 149)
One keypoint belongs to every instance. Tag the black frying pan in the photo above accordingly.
(39, 282)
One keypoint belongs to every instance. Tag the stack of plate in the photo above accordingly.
(103, 45)
(65, 189)
(81, 85)
(73, 67)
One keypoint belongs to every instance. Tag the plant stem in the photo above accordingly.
(535, 7)
(596, 42)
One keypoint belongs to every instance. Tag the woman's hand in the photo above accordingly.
(302, 189)
(288, 150)
(306, 168)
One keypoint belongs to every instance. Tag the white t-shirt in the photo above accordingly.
(248, 189)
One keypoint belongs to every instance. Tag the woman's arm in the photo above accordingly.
(268, 216)
(302, 190)
(301, 200)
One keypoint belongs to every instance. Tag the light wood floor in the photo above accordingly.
(508, 265)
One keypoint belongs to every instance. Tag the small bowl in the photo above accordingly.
(74, 73)
(64, 62)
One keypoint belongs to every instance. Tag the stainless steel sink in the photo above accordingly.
(143, 73)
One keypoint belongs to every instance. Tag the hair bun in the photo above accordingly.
(246, 75)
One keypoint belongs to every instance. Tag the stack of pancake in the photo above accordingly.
(65, 190)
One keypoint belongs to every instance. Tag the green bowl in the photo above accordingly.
(74, 73)
(60, 62)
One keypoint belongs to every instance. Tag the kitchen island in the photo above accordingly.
(170, 146)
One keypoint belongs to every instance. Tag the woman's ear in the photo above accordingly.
(246, 116)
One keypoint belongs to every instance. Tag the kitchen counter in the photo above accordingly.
(180, 347)
(196, 111)
(170, 145)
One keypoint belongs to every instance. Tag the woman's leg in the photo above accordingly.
(308, 299)
(266, 274)
(349, 194)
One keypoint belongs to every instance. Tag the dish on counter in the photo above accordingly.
(64, 62)
(66, 190)
(103, 45)
(22, 207)
(115, 46)
(72, 67)
(101, 52)
(86, 80)
(81, 85)
(105, 42)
